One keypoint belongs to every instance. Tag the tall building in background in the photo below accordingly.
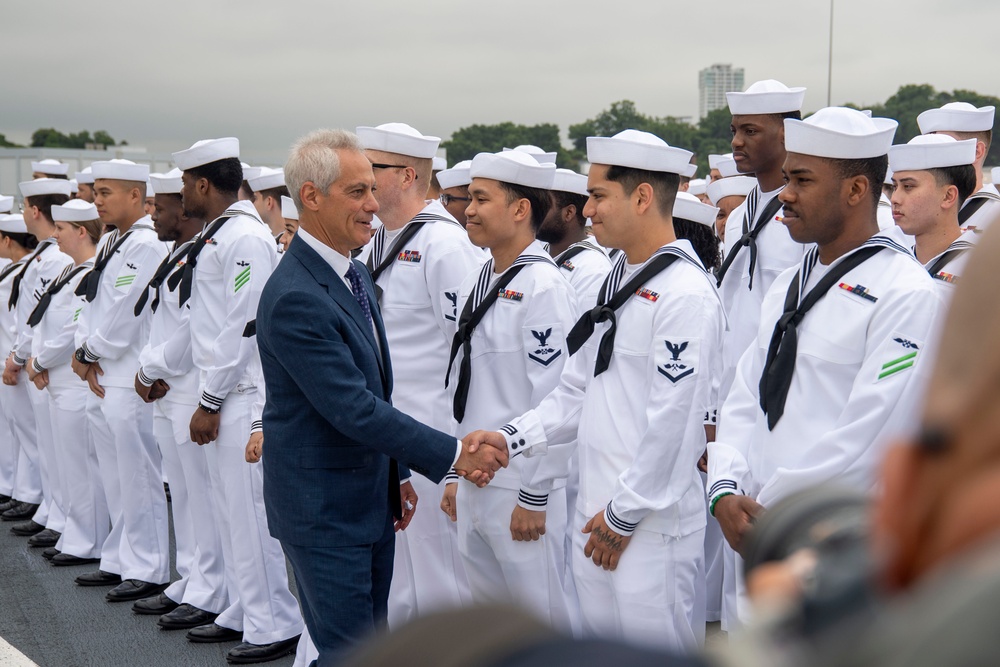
(713, 84)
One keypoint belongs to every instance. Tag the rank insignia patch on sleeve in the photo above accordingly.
(242, 276)
(543, 353)
(676, 360)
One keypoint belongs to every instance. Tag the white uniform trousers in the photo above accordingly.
(261, 604)
(50, 512)
(654, 598)
(87, 520)
(8, 444)
(141, 521)
(527, 574)
(107, 464)
(8, 453)
(21, 420)
(427, 573)
(199, 545)
(714, 565)
(735, 601)
(305, 650)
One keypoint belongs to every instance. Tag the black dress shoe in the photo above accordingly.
(155, 605)
(133, 589)
(27, 528)
(46, 538)
(246, 653)
(5, 499)
(9, 504)
(185, 617)
(213, 634)
(20, 512)
(64, 560)
(99, 578)
(50, 553)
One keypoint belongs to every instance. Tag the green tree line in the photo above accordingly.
(711, 135)
(49, 137)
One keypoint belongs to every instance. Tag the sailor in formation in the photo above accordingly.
(773, 340)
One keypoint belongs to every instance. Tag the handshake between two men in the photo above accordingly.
(483, 454)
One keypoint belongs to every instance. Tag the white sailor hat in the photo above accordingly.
(45, 186)
(376, 223)
(50, 167)
(638, 150)
(540, 154)
(120, 170)
(75, 210)
(6, 203)
(839, 133)
(398, 138)
(995, 175)
(150, 192)
(725, 164)
(85, 176)
(439, 163)
(567, 180)
(207, 151)
(513, 167)
(267, 179)
(733, 186)
(74, 186)
(697, 186)
(12, 224)
(932, 151)
(455, 177)
(249, 172)
(169, 183)
(956, 117)
(689, 207)
(888, 176)
(764, 97)
(690, 171)
(288, 209)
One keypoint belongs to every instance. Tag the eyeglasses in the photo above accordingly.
(379, 165)
(447, 199)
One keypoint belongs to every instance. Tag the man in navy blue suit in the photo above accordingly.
(336, 447)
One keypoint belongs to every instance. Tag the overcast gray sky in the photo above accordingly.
(268, 71)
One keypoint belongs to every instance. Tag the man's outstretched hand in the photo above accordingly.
(483, 453)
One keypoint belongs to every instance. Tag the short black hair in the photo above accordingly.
(797, 115)
(872, 168)
(962, 177)
(664, 184)
(564, 199)
(225, 175)
(275, 193)
(25, 240)
(538, 198)
(44, 203)
(172, 195)
(702, 238)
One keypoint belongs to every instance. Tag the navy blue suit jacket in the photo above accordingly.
(329, 427)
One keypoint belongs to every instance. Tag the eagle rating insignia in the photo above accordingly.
(676, 366)
(449, 305)
(544, 354)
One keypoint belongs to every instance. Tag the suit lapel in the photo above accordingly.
(335, 287)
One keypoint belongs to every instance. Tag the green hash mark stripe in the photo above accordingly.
(905, 357)
(242, 279)
(895, 369)
(124, 280)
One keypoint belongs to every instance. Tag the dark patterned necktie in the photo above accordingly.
(360, 294)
